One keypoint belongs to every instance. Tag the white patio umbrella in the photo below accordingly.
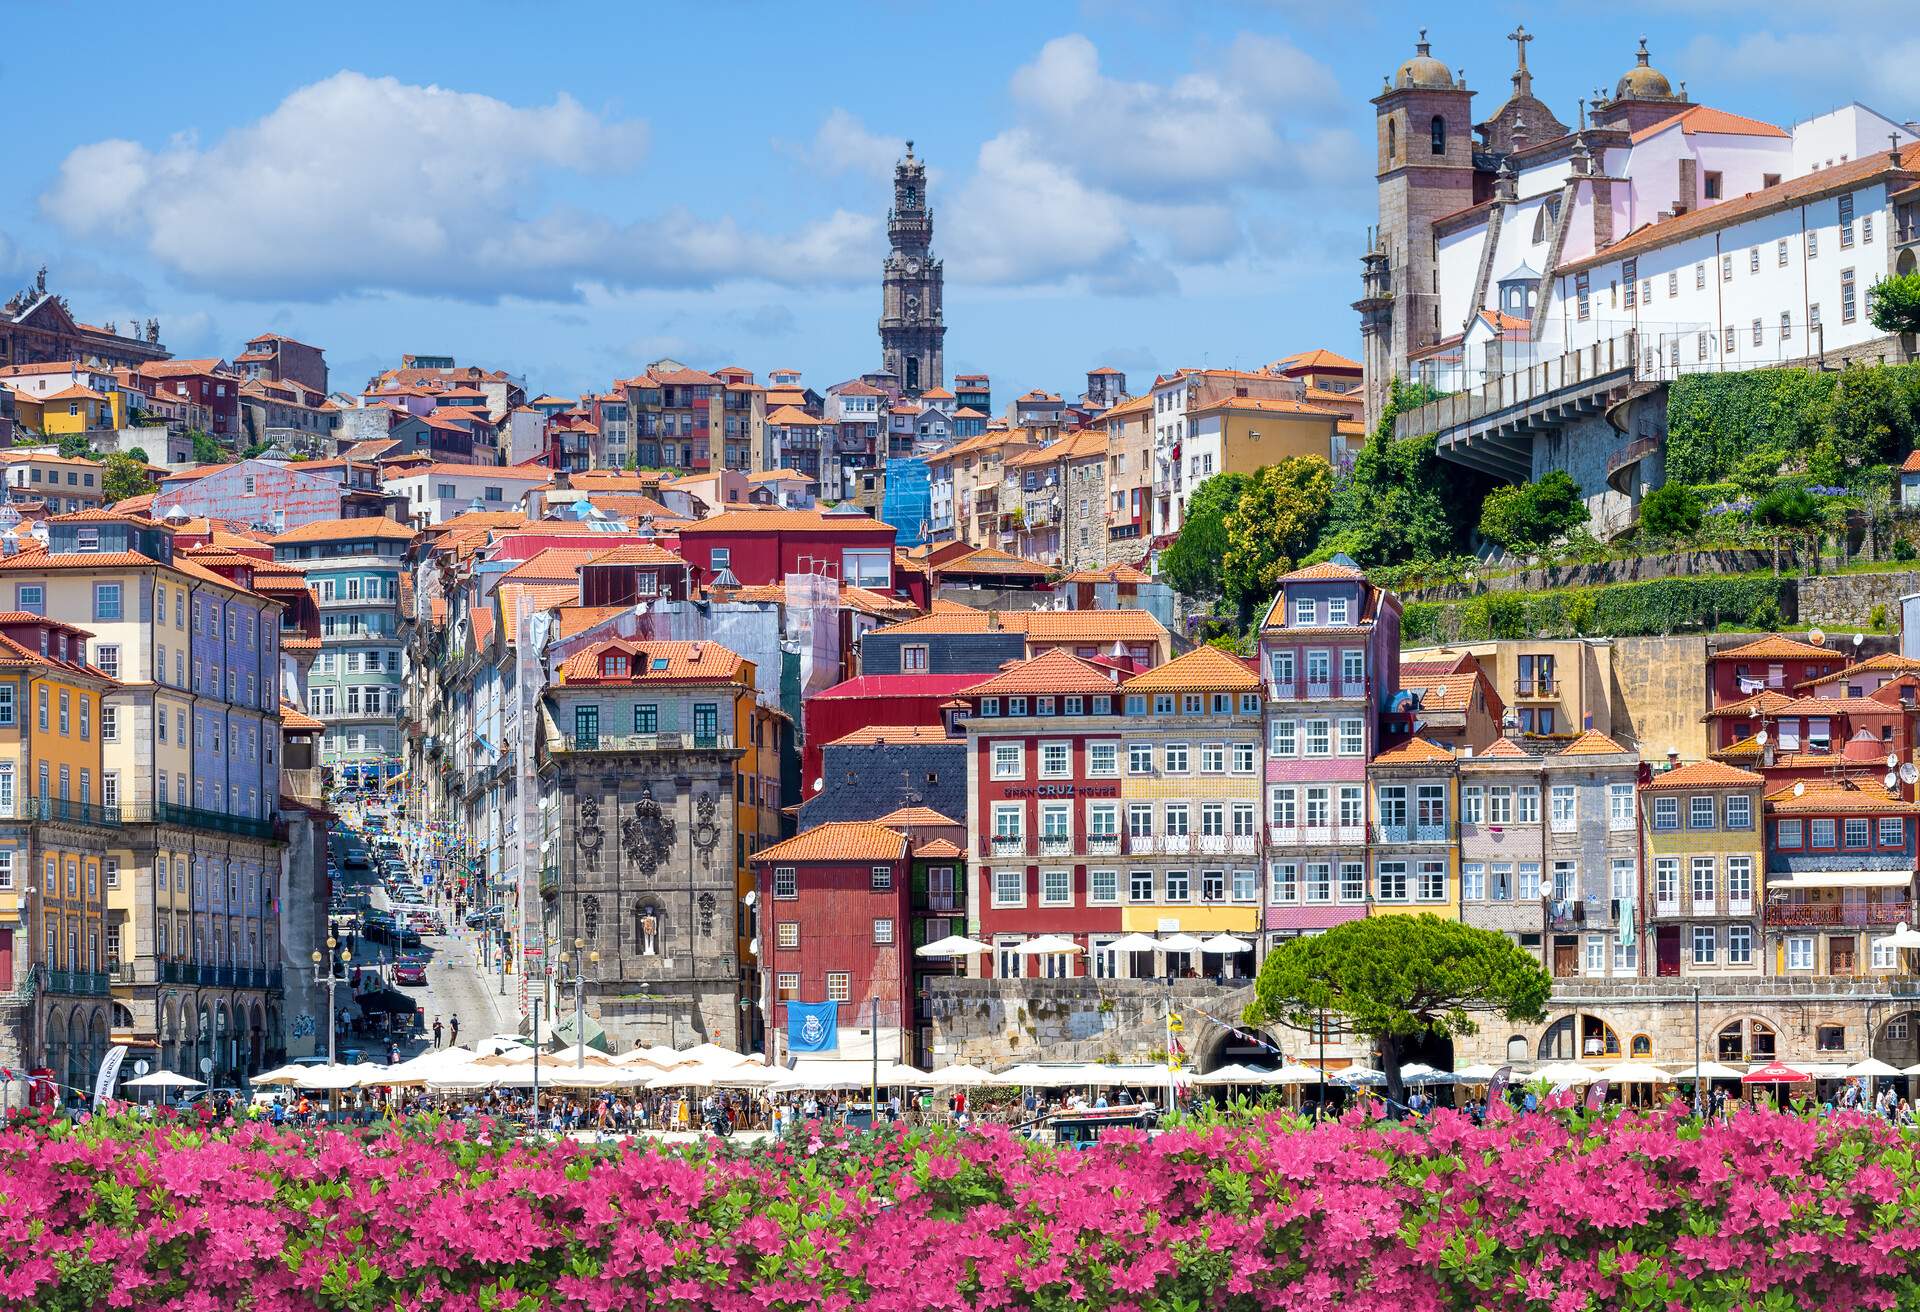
(953, 945)
(1419, 1073)
(1633, 1072)
(961, 1076)
(1181, 943)
(1564, 1073)
(1293, 1074)
(1875, 1068)
(1233, 1073)
(657, 1056)
(165, 1080)
(1706, 1070)
(1048, 945)
(280, 1075)
(1904, 937)
(1225, 945)
(1135, 942)
(1357, 1075)
(1480, 1074)
(1912, 1070)
(319, 1078)
(1041, 1077)
(713, 1053)
(494, 1043)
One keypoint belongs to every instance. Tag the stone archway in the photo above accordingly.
(1743, 1038)
(1896, 1039)
(1239, 1046)
(76, 1076)
(53, 1042)
(1597, 1039)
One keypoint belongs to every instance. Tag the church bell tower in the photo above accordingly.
(913, 329)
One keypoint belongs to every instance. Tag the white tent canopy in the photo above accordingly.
(1873, 1066)
(1225, 944)
(1181, 943)
(1564, 1073)
(953, 945)
(1418, 1073)
(1048, 945)
(961, 1077)
(165, 1080)
(1135, 942)
(1633, 1072)
(1706, 1070)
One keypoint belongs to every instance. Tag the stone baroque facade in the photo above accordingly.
(913, 327)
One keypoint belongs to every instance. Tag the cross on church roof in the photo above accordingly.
(1522, 79)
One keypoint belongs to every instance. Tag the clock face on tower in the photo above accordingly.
(913, 265)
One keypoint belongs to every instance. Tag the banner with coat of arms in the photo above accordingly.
(813, 1026)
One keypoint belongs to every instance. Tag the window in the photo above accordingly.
(1353, 881)
(1283, 738)
(1703, 882)
(1846, 222)
(1213, 886)
(1712, 185)
(880, 879)
(1007, 761)
(1527, 809)
(1866, 233)
(1243, 758)
(1140, 886)
(1858, 832)
(1700, 340)
(1786, 833)
(1176, 820)
(1753, 260)
(1433, 881)
(1103, 760)
(1390, 881)
(1706, 945)
(1813, 316)
(1629, 275)
(913, 658)
(1103, 886)
(31, 597)
(1786, 326)
(1305, 611)
(1473, 804)
(1009, 888)
(839, 986)
(1139, 758)
(1352, 736)
(1595, 962)
(788, 985)
(1056, 761)
(1337, 610)
(1726, 339)
(1759, 333)
(1527, 881)
(1893, 832)
(1726, 268)
(1473, 881)
(1847, 307)
(721, 558)
(106, 601)
(1887, 957)
(1213, 758)
(1438, 133)
(1176, 758)
(787, 934)
(1319, 742)
(1562, 801)
(1800, 953)
(1666, 813)
(1700, 813)
(1178, 888)
(786, 885)
(1820, 833)
(1739, 882)
(1582, 303)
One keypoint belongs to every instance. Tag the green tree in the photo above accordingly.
(1401, 502)
(1789, 511)
(74, 446)
(1396, 979)
(123, 475)
(206, 451)
(1274, 523)
(1671, 511)
(1191, 566)
(1893, 304)
(1529, 517)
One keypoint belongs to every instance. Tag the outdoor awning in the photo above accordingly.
(1844, 879)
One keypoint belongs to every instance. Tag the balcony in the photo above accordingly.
(1315, 835)
(1285, 691)
(646, 742)
(1007, 845)
(1319, 689)
(1355, 688)
(1415, 833)
(1213, 844)
(1056, 844)
(1838, 915)
(67, 812)
(193, 817)
(1536, 688)
(1103, 845)
(82, 983)
(1245, 844)
(178, 972)
(1176, 844)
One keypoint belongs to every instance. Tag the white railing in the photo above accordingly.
(1213, 844)
(1244, 844)
(1176, 844)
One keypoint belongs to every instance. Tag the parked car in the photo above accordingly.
(492, 916)
(412, 973)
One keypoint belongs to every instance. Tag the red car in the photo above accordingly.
(410, 972)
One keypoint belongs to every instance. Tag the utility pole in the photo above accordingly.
(1697, 1100)
(579, 964)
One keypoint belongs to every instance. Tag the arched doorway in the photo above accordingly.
(76, 1078)
(1237, 1047)
(222, 1043)
(54, 1043)
(97, 1042)
(256, 1040)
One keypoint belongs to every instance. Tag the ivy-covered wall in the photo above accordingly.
(1750, 426)
(1659, 606)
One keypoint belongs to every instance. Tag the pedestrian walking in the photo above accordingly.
(453, 1027)
(436, 1031)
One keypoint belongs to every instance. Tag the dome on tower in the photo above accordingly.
(1423, 70)
(1643, 81)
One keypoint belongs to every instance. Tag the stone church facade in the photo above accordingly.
(913, 326)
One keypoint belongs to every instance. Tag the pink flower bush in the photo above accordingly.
(1559, 1213)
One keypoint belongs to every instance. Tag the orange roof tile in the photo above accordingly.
(1415, 751)
(578, 619)
(1764, 702)
(1326, 569)
(937, 849)
(1705, 118)
(1911, 465)
(786, 521)
(885, 735)
(1889, 662)
(1040, 626)
(1850, 795)
(1050, 673)
(1775, 647)
(345, 530)
(915, 815)
(1318, 358)
(1204, 669)
(1706, 774)
(1592, 743)
(838, 840)
(553, 565)
(638, 553)
(295, 720)
(655, 662)
(1504, 748)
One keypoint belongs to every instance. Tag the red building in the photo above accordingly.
(200, 382)
(874, 699)
(842, 908)
(763, 546)
(634, 573)
(1029, 733)
(1773, 664)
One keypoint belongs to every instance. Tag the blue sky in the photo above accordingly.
(570, 191)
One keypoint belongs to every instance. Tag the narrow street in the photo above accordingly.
(457, 984)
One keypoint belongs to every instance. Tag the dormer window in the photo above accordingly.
(1043, 706)
(1336, 610)
(614, 666)
(87, 539)
(1305, 610)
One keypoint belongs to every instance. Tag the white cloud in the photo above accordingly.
(357, 183)
(1817, 70)
(842, 144)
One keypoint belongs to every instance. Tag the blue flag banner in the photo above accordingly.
(813, 1026)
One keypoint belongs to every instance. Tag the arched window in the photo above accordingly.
(1642, 1046)
(1439, 129)
(1393, 139)
(1517, 1048)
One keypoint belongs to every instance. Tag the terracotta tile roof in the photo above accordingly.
(1775, 647)
(1111, 574)
(295, 720)
(1766, 702)
(345, 530)
(1911, 465)
(655, 662)
(1441, 692)
(1844, 795)
(538, 596)
(1204, 669)
(553, 565)
(1782, 196)
(578, 619)
(1706, 774)
(838, 840)
(1271, 405)
(1705, 118)
(1504, 748)
(478, 519)
(989, 560)
(1318, 358)
(915, 815)
(1887, 662)
(1050, 673)
(880, 735)
(638, 553)
(937, 394)
(1326, 569)
(1592, 743)
(780, 476)
(938, 848)
(1095, 626)
(40, 559)
(785, 521)
(1415, 751)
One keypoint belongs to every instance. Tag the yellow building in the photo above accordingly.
(80, 409)
(1190, 800)
(57, 865)
(1704, 881)
(1415, 830)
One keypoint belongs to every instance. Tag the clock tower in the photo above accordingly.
(913, 329)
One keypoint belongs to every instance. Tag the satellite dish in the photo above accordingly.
(1760, 739)
(1816, 637)
(1799, 790)
(818, 784)
(1909, 773)
(1859, 638)
(1890, 780)
(1893, 759)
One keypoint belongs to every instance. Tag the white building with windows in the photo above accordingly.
(436, 493)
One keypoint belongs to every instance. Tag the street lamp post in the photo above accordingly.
(580, 965)
(331, 978)
(1697, 1081)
